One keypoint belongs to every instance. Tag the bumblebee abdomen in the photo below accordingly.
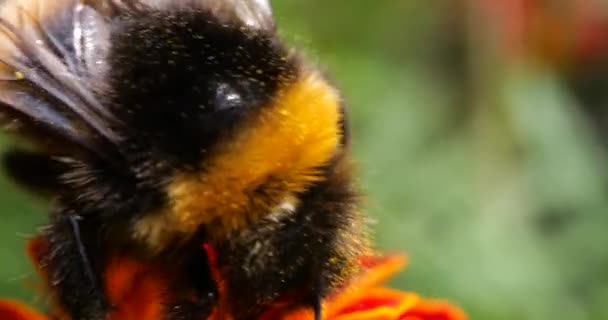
(303, 251)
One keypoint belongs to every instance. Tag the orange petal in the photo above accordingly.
(378, 269)
(434, 310)
(135, 290)
(376, 304)
(14, 310)
(221, 311)
(371, 304)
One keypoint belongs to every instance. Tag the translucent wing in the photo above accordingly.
(51, 61)
(91, 40)
(255, 14)
(53, 57)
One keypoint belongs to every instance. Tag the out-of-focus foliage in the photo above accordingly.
(480, 127)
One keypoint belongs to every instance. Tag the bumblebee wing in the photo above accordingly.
(51, 61)
(91, 39)
(253, 13)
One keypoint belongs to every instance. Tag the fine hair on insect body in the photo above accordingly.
(158, 128)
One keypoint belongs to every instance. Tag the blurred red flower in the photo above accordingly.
(570, 31)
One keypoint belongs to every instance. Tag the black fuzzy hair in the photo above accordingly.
(190, 79)
(288, 256)
(116, 99)
(117, 96)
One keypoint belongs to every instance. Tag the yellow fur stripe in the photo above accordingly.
(274, 157)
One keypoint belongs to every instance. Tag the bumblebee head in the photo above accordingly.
(245, 124)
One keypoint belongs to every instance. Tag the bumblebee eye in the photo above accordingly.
(227, 97)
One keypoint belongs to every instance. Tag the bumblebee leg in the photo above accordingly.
(84, 259)
(317, 307)
(71, 267)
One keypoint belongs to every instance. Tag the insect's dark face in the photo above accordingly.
(184, 79)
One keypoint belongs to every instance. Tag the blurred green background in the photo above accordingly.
(480, 128)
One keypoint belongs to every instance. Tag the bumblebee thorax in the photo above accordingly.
(274, 157)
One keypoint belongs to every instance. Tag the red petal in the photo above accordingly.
(368, 303)
(13, 310)
(136, 291)
(434, 310)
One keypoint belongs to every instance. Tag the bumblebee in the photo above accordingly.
(156, 127)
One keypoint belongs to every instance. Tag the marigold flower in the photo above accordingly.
(137, 292)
